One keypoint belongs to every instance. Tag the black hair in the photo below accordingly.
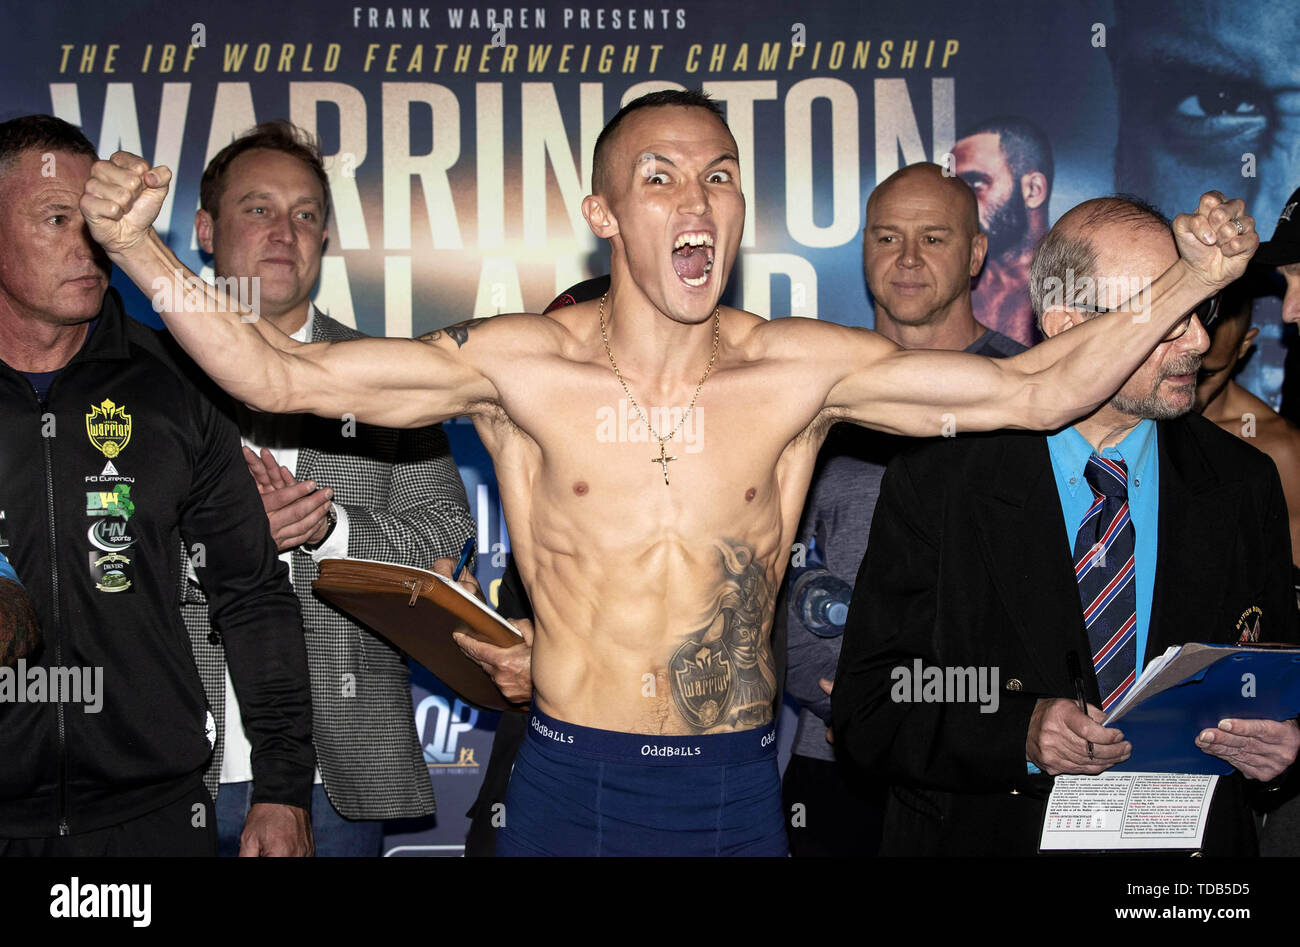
(1024, 145)
(43, 133)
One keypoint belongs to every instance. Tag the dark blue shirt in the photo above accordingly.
(41, 381)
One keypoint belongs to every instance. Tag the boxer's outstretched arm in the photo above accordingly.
(389, 382)
(923, 392)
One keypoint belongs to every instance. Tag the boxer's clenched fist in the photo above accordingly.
(121, 200)
(1217, 241)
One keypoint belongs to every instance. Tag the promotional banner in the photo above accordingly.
(459, 147)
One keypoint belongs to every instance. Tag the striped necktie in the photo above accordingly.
(1104, 569)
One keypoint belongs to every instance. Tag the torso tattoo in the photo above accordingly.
(722, 675)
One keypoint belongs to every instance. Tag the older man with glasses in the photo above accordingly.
(1140, 526)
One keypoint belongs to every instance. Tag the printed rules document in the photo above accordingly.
(1127, 811)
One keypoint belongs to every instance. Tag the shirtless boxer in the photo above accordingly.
(1240, 413)
(653, 569)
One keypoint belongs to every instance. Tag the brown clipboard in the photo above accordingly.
(417, 611)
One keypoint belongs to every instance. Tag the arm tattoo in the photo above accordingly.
(723, 675)
(459, 332)
(20, 634)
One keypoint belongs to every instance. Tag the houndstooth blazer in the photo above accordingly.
(405, 503)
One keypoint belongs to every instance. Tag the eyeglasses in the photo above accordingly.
(1207, 310)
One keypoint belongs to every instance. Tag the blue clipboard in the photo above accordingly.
(1243, 682)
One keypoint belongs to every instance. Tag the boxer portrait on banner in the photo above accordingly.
(1008, 164)
(653, 561)
(1206, 91)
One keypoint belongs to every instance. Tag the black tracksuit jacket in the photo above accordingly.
(94, 518)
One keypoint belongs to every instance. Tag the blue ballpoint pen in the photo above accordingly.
(464, 558)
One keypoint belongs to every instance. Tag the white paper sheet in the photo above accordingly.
(1127, 811)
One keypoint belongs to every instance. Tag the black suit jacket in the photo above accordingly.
(969, 564)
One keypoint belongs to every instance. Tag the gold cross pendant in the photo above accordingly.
(663, 460)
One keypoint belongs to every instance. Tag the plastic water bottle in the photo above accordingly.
(821, 600)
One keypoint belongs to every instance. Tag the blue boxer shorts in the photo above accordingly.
(577, 791)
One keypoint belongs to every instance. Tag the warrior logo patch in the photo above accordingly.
(702, 676)
(109, 428)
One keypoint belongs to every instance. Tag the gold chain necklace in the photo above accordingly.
(663, 459)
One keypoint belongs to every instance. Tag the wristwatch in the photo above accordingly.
(333, 519)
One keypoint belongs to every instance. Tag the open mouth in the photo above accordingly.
(693, 257)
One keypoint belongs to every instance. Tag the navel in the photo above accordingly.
(581, 488)
(750, 494)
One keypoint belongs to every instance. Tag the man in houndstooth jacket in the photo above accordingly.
(332, 489)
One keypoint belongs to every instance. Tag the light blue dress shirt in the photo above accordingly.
(1070, 451)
